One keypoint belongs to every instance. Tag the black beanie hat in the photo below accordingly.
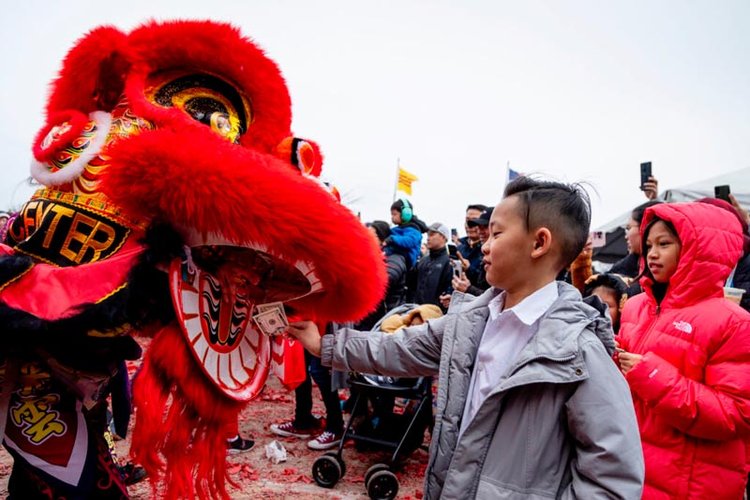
(382, 229)
(399, 205)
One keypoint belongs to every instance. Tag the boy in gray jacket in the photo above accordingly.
(530, 403)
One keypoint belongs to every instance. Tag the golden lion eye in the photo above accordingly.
(225, 125)
(206, 98)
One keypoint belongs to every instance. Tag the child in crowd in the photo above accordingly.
(529, 400)
(612, 289)
(396, 267)
(406, 234)
(685, 351)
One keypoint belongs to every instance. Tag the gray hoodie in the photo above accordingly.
(560, 424)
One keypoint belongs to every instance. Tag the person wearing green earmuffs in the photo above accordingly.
(406, 234)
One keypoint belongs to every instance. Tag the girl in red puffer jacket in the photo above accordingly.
(685, 352)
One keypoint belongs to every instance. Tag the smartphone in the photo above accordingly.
(598, 239)
(452, 251)
(454, 232)
(722, 193)
(457, 268)
(645, 173)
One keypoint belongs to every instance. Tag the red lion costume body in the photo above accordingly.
(175, 201)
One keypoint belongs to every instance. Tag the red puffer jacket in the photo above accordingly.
(692, 389)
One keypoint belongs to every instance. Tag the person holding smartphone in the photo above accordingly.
(461, 282)
(470, 247)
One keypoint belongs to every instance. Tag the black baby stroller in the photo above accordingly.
(384, 430)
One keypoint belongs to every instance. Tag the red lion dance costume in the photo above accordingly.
(174, 201)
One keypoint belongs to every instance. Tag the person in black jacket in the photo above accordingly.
(396, 267)
(462, 283)
(740, 277)
(470, 247)
(433, 272)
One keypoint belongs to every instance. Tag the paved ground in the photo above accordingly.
(258, 477)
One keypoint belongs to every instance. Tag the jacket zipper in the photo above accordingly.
(638, 346)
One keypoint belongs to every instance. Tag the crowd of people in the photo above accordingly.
(556, 375)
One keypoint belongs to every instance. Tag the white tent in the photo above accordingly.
(738, 182)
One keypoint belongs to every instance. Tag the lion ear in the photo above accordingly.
(302, 153)
(93, 73)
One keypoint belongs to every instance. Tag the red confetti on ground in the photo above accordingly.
(275, 396)
(248, 473)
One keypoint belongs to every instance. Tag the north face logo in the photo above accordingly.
(683, 326)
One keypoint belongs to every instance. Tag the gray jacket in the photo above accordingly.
(560, 424)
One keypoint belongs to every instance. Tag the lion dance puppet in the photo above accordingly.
(174, 202)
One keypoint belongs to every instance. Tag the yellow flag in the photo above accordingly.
(404, 181)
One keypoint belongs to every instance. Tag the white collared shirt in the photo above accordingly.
(505, 335)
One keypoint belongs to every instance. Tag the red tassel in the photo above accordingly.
(182, 422)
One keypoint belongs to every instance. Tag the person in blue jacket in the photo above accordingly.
(406, 234)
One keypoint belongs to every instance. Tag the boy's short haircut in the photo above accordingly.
(564, 209)
(477, 206)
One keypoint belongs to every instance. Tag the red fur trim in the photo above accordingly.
(193, 178)
(76, 87)
(182, 418)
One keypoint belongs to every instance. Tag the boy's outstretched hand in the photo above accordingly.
(308, 334)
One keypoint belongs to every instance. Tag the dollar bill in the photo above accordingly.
(271, 322)
(279, 306)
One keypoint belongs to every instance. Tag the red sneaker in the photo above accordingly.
(325, 441)
(288, 429)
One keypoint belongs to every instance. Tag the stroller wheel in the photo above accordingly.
(383, 485)
(372, 470)
(326, 471)
(339, 459)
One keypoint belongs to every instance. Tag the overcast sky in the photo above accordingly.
(575, 90)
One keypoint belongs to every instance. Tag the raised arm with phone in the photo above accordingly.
(649, 184)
